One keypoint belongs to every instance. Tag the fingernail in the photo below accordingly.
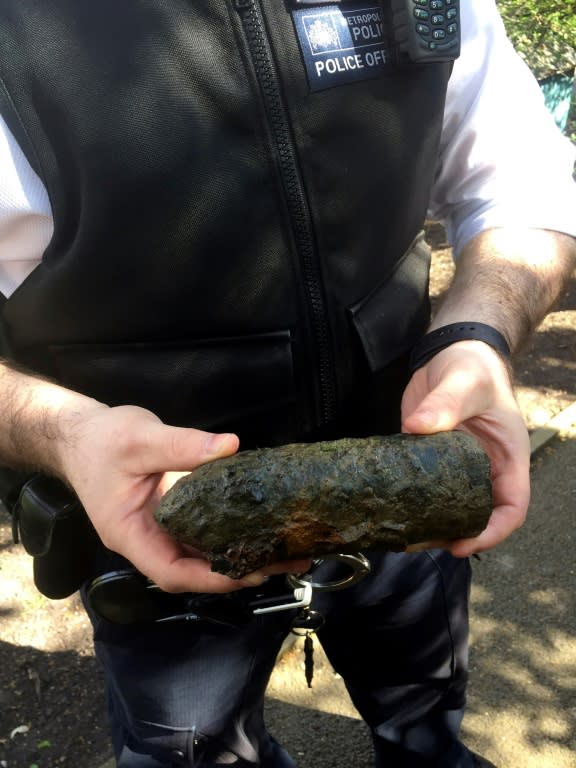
(255, 579)
(214, 444)
(428, 419)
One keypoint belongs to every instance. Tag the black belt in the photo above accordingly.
(127, 597)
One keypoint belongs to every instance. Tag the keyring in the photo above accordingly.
(360, 567)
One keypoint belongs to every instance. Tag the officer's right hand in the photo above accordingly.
(120, 461)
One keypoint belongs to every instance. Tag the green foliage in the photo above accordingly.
(543, 32)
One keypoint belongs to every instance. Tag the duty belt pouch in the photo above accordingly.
(54, 528)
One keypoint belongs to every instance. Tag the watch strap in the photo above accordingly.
(433, 342)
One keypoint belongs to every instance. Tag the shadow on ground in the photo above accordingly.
(51, 709)
(316, 739)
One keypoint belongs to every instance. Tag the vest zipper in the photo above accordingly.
(253, 24)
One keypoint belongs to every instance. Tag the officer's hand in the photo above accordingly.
(120, 461)
(467, 386)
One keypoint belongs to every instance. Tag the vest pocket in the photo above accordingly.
(393, 316)
(215, 384)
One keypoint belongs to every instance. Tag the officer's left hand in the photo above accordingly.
(467, 386)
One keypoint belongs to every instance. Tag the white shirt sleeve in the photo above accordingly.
(503, 161)
(25, 215)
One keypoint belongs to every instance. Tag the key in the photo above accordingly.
(305, 624)
(309, 658)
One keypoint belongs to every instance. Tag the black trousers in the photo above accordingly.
(193, 693)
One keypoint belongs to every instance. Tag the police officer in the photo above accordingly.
(209, 239)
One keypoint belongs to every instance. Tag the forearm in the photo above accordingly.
(510, 279)
(119, 460)
(38, 418)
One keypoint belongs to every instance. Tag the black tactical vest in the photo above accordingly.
(237, 189)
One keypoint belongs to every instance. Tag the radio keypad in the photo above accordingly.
(434, 25)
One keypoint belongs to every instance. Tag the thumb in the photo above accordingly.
(454, 400)
(170, 448)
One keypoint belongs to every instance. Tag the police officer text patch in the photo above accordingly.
(342, 44)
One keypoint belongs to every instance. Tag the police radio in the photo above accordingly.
(426, 30)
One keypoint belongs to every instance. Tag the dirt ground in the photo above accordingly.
(51, 693)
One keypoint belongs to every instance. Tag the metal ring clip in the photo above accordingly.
(359, 564)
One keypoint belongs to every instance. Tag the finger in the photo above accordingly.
(424, 545)
(457, 398)
(155, 554)
(159, 557)
(185, 574)
(503, 522)
(511, 493)
(165, 448)
(288, 566)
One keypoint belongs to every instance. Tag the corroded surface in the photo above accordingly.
(309, 500)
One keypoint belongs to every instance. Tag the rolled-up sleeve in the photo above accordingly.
(26, 224)
(503, 161)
